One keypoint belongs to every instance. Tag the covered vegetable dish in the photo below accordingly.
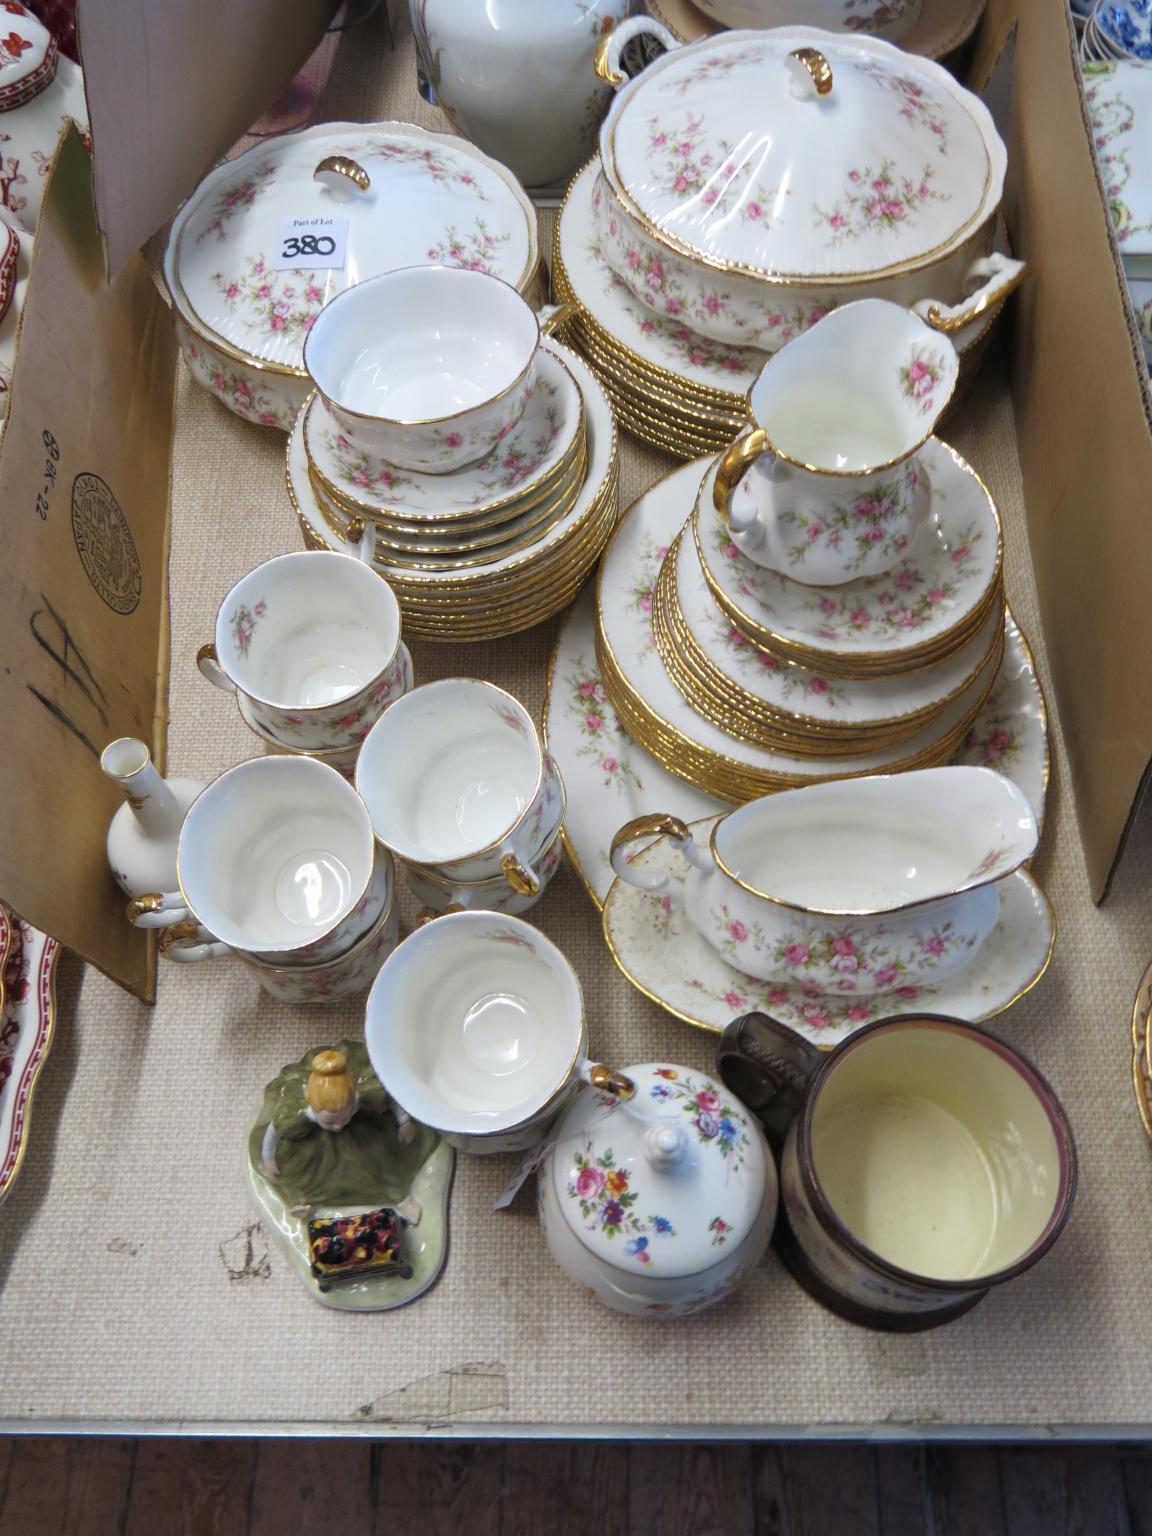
(661, 1203)
(269, 238)
(755, 180)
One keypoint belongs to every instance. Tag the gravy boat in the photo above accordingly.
(861, 885)
(832, 488)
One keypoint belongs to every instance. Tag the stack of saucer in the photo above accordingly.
(742, 680)
(486, 550)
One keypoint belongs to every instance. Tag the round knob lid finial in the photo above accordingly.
(665, 1146)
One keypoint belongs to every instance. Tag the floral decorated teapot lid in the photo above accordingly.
(28, 55)
(669, 1181)
(798, 153)
(396, 196)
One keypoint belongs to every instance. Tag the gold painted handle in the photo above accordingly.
(607, 1081)
(939, 317)
(179, 933)
(737, 460)
(606, 59)
(144, 906)
(342, 175)
(550, 324)
(818, 68)
(657, 824)
(522, 880)
(426, 915)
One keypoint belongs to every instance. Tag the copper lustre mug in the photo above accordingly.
(923, 1161)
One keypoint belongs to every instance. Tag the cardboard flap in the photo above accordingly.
(84, 470)
(171, 86)
(1081, 396)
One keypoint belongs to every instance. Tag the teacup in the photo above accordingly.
(312, 642)
(475, 1027)
(426, 367)
(455, 779)
(325, 981)
(923, 1162)
(498, 895)
(860, 885)
(834, 490)
(343, 759)
(276, 860)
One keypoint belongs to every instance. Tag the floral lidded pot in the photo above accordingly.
(268, 239)
(515, 76)
(39, 91)
(660, 1204)
(752, 181)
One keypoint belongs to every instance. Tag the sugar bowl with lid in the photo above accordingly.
(659, 1204)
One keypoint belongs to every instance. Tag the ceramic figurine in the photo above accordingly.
(660, 1204)
(356, 1190)
(144, 833)
(515, 76)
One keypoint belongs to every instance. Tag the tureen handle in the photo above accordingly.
(769, 1067)
(342, 176)
(606, 60)
(597, 1075)
(658, 825)
(989, 280)
(157, 909)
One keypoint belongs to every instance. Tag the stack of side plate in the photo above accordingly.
(493, 549)
(744, 681)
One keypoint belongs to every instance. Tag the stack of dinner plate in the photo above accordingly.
(743, 680)
(485, 550)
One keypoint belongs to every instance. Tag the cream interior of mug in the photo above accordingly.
(307, 629)
(275, 853)
(936, 1151)
(447, 771)
(474, 1022)
(878, 844)
(421, 344)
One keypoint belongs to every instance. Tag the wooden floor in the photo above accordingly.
(326, 1488)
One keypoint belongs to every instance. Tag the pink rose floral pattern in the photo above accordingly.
(905, 599)
(716, 66)
(239, 391)
(477, 250)
(882, 199)
(235, 197)
(602, 740)
(358, 716)
(273, 303)
(788, 681)
(1113, 119)
(708, 174)
(875, 522)
(363, 472)
(842, 958)
(920, 377)
(871, 15)
(243, 625)
(916, 104)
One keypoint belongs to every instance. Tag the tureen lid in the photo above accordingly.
(667, 1182)
(798, 153)
(397, 196)
(28, 55)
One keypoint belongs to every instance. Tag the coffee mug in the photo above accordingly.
(276, 859)
(311, 642)
(455, 779)
(923, 1162)
(324, 982)
(475, 1026)
(427, 367)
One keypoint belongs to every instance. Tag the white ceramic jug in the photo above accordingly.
(515, 77)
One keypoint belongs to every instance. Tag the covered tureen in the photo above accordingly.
(661, 1203)
(268, 238)
(755, 180)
